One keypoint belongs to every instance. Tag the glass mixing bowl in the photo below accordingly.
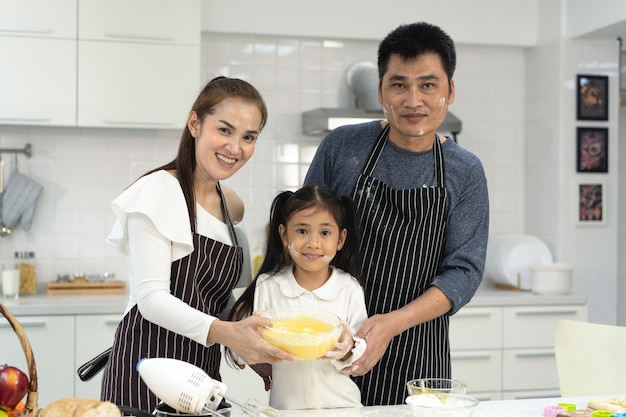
(305, 332)
(437, 404)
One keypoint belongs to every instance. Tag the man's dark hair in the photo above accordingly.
(415, 39)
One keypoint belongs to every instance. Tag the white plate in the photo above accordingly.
(509, 256)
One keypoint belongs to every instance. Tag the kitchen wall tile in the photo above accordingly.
(288, 53)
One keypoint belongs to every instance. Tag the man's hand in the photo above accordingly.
(378, 331)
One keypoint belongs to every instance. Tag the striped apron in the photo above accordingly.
(402, 244)
(203, 279)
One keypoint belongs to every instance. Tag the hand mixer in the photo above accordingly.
(189, 389)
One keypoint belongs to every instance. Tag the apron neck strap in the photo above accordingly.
(377, 150)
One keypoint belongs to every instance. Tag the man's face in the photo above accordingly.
(415, 96)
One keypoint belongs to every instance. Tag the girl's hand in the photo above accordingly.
(343, 347)
(265, 371)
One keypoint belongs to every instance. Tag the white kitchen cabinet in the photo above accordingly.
(476, 350)
(159, 21)
(94, 334)
(136, 85)
(38, 18)
(507, 352)
(138, 63)
(93, 63)
(38, 81)
(529, 363)
(38, 71)
(52, 341)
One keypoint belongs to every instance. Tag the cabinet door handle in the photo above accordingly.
(137, 122)
(542, 354)
(471, 313)
(469, 356)
(547, 312)
(112, 322)
(19, 118)
(138, 36)
(25, 324)
(24, 29)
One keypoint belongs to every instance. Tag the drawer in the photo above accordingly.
(534, 327)
(480, 369)
(529, 369)
(476, 328)
(525, 395)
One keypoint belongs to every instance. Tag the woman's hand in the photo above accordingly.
(243, 338)
(343, 347)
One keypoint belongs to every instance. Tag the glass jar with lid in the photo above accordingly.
(25, 263)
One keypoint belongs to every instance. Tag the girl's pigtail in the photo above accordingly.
(349, 258)
(274, 260)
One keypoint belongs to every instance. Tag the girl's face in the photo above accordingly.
(313, 239)
(225, 140)
(415, 95)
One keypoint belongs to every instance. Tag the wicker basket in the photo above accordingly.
(31, 406)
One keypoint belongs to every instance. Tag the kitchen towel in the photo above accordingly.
(19, 200)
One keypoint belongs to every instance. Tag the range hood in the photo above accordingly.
(323, 120)
(362, 79)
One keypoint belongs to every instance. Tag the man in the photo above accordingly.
(424, 211)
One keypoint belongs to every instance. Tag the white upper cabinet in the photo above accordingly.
(99, 63)
(138, 62)
(38, 70)
(39, 18)
(37, 81)
(136, 85)
(160, 21)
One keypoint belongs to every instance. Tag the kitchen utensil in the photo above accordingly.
(554, 278)
(188, 389)
(435, 385)
(305, 332)
(4, 229)
(510, 256)
(449, 405)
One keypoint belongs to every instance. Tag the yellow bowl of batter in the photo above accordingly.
(305, 332)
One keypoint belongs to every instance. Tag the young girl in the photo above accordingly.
(311, 259)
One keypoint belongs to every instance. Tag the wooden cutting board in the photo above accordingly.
(86, 287)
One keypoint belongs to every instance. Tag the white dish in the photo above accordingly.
(510, 257)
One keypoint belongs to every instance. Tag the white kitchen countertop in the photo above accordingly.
(43, 304)
(504, 408)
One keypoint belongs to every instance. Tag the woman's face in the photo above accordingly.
(313, 238)
(415, 95)
(225, 140)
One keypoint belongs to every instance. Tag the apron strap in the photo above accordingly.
(377, 150)
(440, 176)
(229, 222)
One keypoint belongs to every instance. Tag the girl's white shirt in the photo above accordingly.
(315, 383)
(152, 228)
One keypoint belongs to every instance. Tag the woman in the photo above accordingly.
(175, 224)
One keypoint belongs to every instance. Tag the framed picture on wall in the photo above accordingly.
(592, 149)
(592, 97)
(591, 203)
